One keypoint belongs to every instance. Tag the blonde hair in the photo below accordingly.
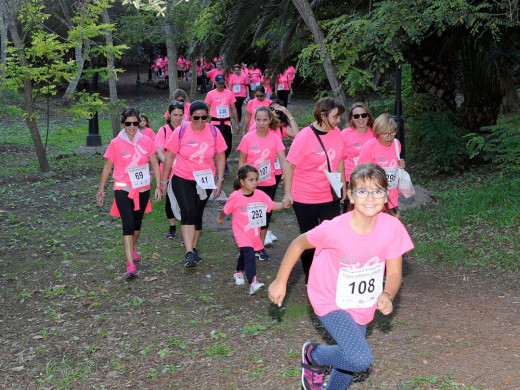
(384, 123)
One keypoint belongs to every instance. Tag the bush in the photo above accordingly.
(499, 144)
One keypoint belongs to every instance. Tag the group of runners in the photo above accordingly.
(352, 261)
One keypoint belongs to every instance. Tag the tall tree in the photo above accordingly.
(112, 75)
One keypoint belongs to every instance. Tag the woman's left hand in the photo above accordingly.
(344, 196)
(218, 190)
(401, 163)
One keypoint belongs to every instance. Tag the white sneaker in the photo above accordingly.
(271, 235)
(239, 278)
(255, 286)
(268, 241)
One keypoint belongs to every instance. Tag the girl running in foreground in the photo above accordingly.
(249, 207)
(346, 286)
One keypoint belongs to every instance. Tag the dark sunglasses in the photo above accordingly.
(128, 124)
(259, 96)
(177, 103)
(276, 111)
(196, 117)
(357, 116)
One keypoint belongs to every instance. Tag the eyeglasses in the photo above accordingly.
(362, 193)
(357, 116)
(128, 124)
(196, 117)
(260, 96)
(392, 133)
(177, 103)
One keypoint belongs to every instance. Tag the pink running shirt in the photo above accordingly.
(245, 236)
(163, 135)
(215, 99)
(255, 75)
(259, 149)
(195, 151)
(343, 259)
(310, 185)
(238, 85)
(149, 133)
(374, 151)
(352, 143)
(213, 73)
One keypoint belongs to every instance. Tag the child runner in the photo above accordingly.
(129, 154)
(249, 206)
(144, 127)
(346, 281)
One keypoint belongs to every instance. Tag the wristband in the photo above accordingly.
(219, 178)
(164, 181)
(158, 188)
(291, 118)
(389, 295)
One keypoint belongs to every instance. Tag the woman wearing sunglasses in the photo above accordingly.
(195, 144)
(382, 150)
(360, 120)
(259, 101)
(129, 154)
(175, 118)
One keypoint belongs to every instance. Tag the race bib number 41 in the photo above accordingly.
(205, 179)
(139, 176)
(256, 213)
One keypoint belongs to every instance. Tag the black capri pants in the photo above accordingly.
(131, 219)
(192, 207)
(309, 216)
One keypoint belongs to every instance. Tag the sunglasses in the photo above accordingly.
(177, 103)
(357, 116)
(276, 111)
(196, 117)
(259, 96)
(128, 124)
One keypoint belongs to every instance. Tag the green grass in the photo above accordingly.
(435, 382)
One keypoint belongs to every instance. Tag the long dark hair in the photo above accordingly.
(173, 106)
(242, 175)
(281, 116)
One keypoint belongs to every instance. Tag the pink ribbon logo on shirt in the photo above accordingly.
(200, 152)
(263, 157)
(332, 154)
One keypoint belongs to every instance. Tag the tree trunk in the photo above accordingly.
(193, 87)
(27, 92)
(112, 77)
(171, 51)
(3, 34)
(305, 11)
(80, 60)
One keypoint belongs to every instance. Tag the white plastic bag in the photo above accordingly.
(404, 181)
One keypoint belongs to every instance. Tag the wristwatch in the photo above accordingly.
(219, 178)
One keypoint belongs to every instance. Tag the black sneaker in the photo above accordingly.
(312, 373)
(196, 256)
(172, 233)
(189, 260)
(262, 255)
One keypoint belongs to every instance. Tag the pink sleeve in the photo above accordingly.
(228, 207)
(243, 146)
(320, 235)
(364, 155)
(297, 151)
(279, 145)
(249, 106)
(110, 153)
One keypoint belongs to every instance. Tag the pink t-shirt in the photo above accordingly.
(266, 83)
(347, 266)
(290, 71)
(282, 83)
(280, 136)
(238, 84)
(253, 104)
(374, 151)
(246, 236)
(255, 75)
(213, 73)
(259, 149)
(352, 143)
(220, 103)
(181, 63)
(310, 185)
(200, 70)
(148, 132)
(195, 151)
(163, 135)
(124, 155)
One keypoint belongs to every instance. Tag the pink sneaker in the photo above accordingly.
(131, 270)
(312, 373)
(137, 259)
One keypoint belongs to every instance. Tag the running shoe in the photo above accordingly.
(131, 270)
(262, 255)
(196, 256)
(268, 241)
(272, 236)
(189, 260)
(239, 278)
(172, 232)
(255, 286)
(312, 373)
(137, 259)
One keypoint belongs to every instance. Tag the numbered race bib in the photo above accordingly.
(335, 181)
(199, 73)
(222, 111)
(205, 179)
(281, 87)
(264, 171)
(277, 164)
(139, 176)
(256, 213)
(358, 288)
(391, 176)
(236, 88)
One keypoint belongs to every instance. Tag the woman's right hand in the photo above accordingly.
(287, 200)
(276, 292)
(100, 198)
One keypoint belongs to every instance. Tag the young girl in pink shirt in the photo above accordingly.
(144, 127)
(249, 207)
(346, 284)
